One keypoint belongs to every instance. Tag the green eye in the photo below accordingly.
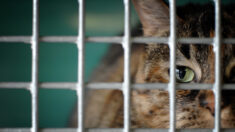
(184, 74)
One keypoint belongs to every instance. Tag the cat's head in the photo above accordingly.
(194, 62)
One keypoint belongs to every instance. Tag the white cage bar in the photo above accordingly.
(117, 86)
(127, 49)
(126, 86)
(113, 40)
(109, 130)
(80, 85)
(217, 85)
(34, 83)
(172, 81)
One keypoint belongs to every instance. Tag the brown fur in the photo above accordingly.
(150, 63)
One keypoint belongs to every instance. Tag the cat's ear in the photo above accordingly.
(154, 16)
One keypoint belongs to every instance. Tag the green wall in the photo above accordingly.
(58, 61)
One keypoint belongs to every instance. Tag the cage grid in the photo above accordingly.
(126, 85)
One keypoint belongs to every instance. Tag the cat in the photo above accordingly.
(150, 64)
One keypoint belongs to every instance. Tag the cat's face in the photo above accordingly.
(195, 64)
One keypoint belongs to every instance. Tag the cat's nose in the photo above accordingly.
(207, 101)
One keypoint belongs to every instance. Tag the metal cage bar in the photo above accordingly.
(217, 85)
(113, 40)
(117, 86)
(109, 130)
(34, 83)
(127, 53)
(172, 81)
(81, 50)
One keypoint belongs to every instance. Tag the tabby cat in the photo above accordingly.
(150, 63)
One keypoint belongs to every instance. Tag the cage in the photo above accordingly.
(74, 78)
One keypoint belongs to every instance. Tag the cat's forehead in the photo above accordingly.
(198, 25)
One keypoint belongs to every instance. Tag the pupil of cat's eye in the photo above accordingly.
(184, 74)
(181, 73)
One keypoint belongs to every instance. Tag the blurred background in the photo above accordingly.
(57, 61)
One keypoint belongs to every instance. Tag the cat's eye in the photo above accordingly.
(184, 74)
